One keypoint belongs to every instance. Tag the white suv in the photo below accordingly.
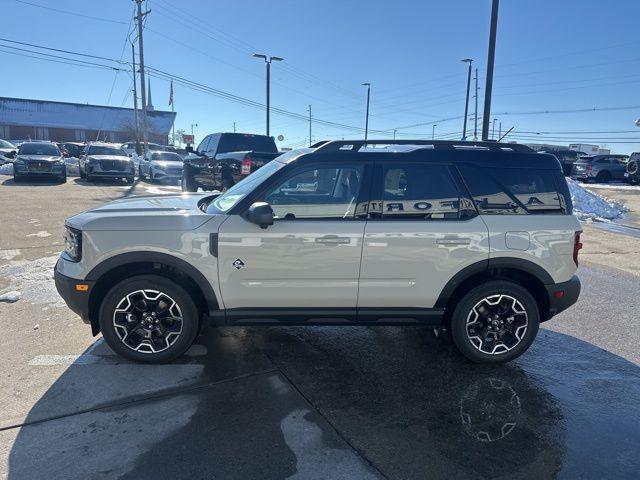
(478, 238)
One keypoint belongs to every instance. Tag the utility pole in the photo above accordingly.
(493, 129)
(234, 127)
(500, 130)
(433, 132)
(475, 120)
(310, 143)
(466, 103)
(135, 99)
(192, 135)
(486, 117)
(394, 133)
(268, 59)
(143, 91)
(366, 122)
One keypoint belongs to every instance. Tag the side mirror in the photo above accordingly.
(11, 154)
(189, 149)
(261, 214)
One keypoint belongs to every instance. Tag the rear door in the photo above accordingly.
(421, 230)
(306, 264)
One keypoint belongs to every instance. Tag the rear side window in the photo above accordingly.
(511, 191)
(417, 191)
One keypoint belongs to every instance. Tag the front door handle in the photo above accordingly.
(453, 241)
(333, 240)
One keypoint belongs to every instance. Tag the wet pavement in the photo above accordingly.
(338, 402)
(307, 402)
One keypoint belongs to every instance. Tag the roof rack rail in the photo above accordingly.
(320, 143)
(356, 145)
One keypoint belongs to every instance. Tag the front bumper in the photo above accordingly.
(562, 295)
(76, 300)
(24, 170)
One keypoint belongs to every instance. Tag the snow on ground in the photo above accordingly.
(33, 279)
(614, 186)
(6, 169)
(589, 206)
(72, 168)
(10, 297)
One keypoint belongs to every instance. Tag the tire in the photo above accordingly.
(130, 180)
(152, 179)
(507, 295)
(63, 179)
(16, 179)
(603, 177)
(188, 183)
(140, 174)
(83, 175)
(126, 296)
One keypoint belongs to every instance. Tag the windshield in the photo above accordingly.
(231, 197)
(167, 156)
(107, 151)
(5, 144)
(39, 149)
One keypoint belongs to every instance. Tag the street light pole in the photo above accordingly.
(394, 133)
(267, 60)
(310, 125)
(366, 121)
(192, 135)
(475, 119)
(143, 92)
(466, 103)
(433, 132)
(493, 129)
(486, 117)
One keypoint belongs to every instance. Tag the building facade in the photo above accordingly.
(26, 119)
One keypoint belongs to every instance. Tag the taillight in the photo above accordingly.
(245, 169)
(577, 245)
(589, 168)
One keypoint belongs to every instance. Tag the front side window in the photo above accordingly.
(417, 191)
(315, 193)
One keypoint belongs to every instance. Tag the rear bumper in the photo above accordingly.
(562, 295)
(77, 301)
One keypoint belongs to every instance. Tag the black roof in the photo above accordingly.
(486, 154)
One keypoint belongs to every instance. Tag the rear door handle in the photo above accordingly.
(453, 241)
(333, 240)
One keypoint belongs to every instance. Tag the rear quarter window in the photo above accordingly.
(517, 191)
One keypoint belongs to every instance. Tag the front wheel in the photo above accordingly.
(603, 177)
(148, 318)
(495, 322)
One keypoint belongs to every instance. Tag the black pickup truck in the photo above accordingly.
(223, 159)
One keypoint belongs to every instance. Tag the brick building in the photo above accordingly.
(25, 119)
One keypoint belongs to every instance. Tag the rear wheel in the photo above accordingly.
(149, 319)
(495, 322)
(188, 183)
(603, 177)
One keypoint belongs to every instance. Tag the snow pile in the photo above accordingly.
(6, 169)
(34, 278)
(589, 206)
(72, 167)
(10, 297)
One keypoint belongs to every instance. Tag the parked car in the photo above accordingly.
(223, 159)
(100, 160)
(601, 168)
(632, 175)
(567, 158)
(157, 166)
(436, 234)
(130, 147)
(39, 159)
(7, 151)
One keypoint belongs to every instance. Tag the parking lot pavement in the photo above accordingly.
(306, 402)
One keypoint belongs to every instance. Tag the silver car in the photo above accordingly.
(158, 166)
(439, 233)
(600, 168)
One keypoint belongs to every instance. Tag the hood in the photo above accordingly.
(40, 158)
(166, 163)
(158, 212)
(110, 157)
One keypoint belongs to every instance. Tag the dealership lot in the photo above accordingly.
(308, 402)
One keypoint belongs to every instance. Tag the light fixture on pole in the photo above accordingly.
(267, 60)
(366, 122)
(466, 103)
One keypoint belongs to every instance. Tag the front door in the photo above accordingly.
(304, 266)
(422, 230)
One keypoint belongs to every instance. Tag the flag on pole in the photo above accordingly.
(171, 93)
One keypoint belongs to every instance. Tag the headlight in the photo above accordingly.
(18, 161)
(73, 243)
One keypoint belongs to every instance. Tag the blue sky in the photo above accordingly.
(551, 55)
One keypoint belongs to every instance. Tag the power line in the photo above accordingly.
(75, 14)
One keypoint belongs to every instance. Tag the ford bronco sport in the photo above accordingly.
(478, 238)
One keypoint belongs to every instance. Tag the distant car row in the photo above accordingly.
(96, 160)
